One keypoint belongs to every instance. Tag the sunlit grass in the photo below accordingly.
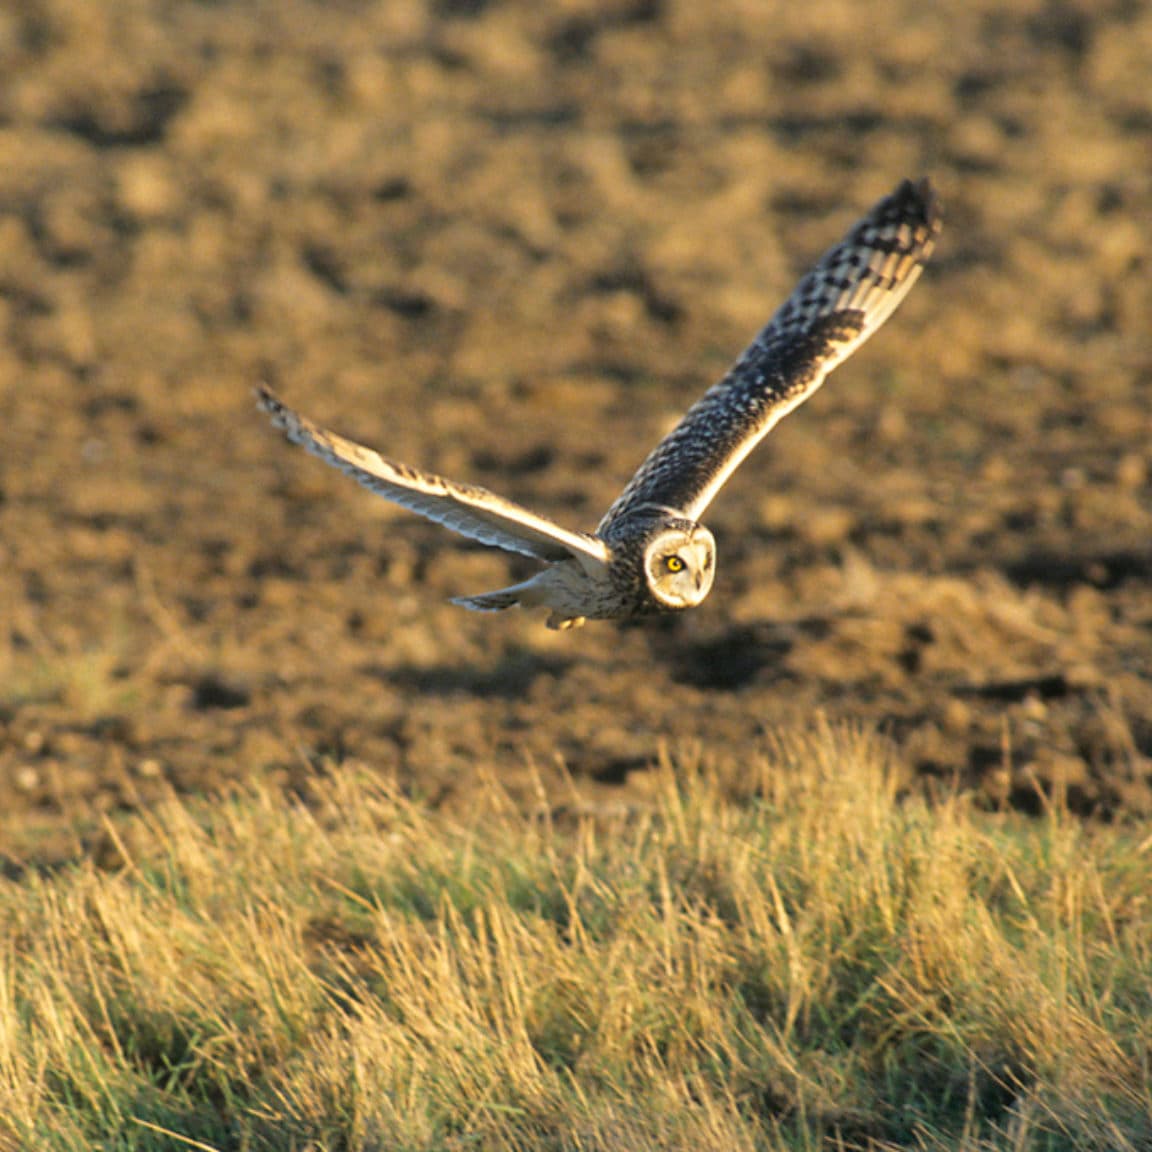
(783, 954)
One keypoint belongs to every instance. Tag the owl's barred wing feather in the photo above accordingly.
(852, 290)
(473, 512)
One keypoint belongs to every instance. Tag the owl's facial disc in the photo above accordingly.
(680, 564)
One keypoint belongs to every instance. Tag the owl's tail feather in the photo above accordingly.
(493, 601)
(530, 594)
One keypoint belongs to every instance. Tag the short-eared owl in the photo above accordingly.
(650, 553)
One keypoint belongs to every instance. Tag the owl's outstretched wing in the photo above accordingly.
(852, 290)
(473, 512)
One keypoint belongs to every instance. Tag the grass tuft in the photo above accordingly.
(786, 954)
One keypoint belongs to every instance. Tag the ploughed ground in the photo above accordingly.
(512, 242)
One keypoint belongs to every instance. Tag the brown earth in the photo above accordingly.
(512, 241)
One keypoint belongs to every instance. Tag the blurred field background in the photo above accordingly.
(512, 242)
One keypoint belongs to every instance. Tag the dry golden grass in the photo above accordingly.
(785, 956)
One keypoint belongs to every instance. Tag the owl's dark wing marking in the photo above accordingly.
(844, 299)
(473, 512)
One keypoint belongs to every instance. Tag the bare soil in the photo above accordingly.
(511, 242)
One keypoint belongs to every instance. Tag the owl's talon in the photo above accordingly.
(558, 622)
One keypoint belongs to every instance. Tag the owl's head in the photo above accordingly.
(680, 564)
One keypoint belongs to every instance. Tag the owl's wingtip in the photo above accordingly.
(920, 197)
(266, 399)
(269, 403)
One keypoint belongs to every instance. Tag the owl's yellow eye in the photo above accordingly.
(674, 564)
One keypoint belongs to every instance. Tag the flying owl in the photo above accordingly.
(650, 553)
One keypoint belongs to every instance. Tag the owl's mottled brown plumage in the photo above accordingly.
(831, 312)
(649, 554)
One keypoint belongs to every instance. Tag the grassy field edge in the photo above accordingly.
(784, 953)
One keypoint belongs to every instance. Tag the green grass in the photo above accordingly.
(783, 956)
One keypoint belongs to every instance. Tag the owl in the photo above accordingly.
(650, 553)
